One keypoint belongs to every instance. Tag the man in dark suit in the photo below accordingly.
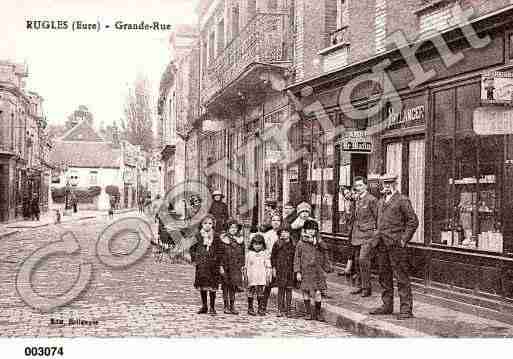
(363, 229)
(397, 222)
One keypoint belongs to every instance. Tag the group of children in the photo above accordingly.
(271, 259)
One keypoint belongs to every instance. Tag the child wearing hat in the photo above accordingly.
(258, 273)
(310, 264)
(304, 211)
(232, 264)
(282, 261)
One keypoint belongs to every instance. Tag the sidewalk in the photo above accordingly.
(46, 219)
(431, 320)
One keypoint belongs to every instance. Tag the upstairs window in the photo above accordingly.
(211, 46)
(204, 55)
(235, 22)
(342, 13)
(220, 38)
(93, 178)
(272, 4)
(251, 9)
(436, 16)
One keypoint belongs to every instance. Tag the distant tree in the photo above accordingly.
(137, 124)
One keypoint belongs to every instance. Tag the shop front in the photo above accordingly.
(451, 146)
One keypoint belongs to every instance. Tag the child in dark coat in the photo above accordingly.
(310, 265)
(282, 262)
(232, 264)
(206, 255)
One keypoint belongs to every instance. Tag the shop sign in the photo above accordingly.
(293, 174)
(494, 120)
(406, 117)
(356, 142)
(497, 88)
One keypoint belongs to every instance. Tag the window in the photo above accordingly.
(272, 4)
(93, 178)
(342, 13)
(235, 22)
(251, 9)
(438, 18)
(467, 178)
(204, 55)
(220, 38)
(292, 15)
(211, 47)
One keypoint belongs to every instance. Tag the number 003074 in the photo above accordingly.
(44, 351)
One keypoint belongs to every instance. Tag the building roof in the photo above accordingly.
(85, 154)
(83, 131)
(81, 146)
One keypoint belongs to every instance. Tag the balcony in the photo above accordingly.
(264, 40)
(339, 36)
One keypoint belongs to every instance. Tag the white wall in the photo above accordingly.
(105, 177)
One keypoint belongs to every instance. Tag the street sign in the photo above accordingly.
(355, 142)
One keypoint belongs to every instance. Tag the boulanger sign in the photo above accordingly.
(407, 116)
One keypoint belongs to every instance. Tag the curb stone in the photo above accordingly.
(8, 233)
(359, 324)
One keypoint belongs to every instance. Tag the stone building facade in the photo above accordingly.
(24, 147)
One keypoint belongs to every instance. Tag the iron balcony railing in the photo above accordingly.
(339, 36)
(265, 39)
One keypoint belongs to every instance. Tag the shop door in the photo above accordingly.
(416, 178)
(413, 176)
(394, 161)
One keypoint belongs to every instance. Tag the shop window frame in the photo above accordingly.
(455, 135)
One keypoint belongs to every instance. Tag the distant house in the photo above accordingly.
(86, 160)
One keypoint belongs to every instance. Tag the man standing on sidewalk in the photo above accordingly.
(362, 235)
(397, 222)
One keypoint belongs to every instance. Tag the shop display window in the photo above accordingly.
(467, 173)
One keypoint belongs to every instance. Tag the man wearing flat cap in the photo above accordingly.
(397, 223)
(219, 210)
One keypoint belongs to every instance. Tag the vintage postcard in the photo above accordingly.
(255, 169)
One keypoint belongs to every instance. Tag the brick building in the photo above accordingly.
(263, 62)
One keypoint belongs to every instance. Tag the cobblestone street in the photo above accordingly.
(145, 299)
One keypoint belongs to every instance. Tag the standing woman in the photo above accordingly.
(206, 255)
(232, 262)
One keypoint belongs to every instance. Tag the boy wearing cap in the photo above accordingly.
(397, 222)
(310, 264)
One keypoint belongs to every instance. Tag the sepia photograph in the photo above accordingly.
(257, 169)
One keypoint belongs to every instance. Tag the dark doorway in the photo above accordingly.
(358, 165)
